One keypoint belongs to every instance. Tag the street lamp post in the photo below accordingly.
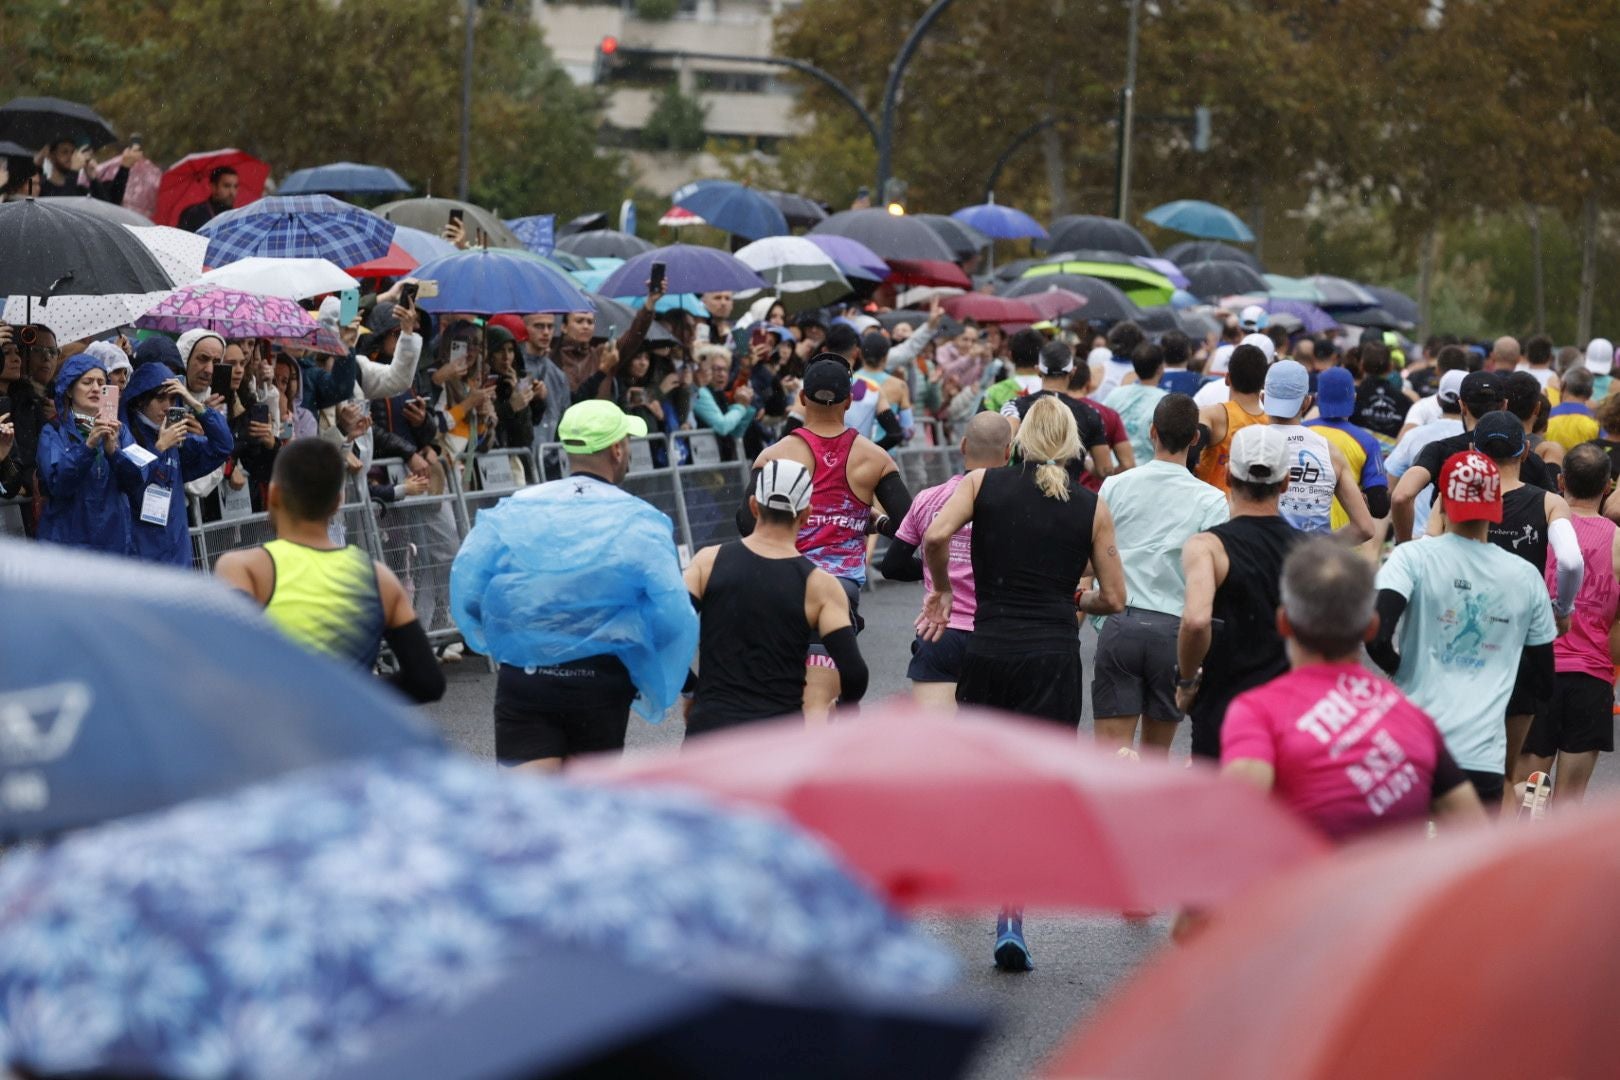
(464, 168)
(1012, 148)
(891, 91)
(1127, 109)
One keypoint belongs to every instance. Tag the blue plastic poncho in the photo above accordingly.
(578, 568)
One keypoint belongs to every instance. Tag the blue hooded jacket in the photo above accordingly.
(159, 350)
(84, 503)
(195, 456)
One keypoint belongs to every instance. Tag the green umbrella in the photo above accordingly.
(1148, 288)
(1291, 288)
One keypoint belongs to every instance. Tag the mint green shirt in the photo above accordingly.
(1157, 506)
(1135, 404)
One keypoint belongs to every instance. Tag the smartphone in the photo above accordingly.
(458, 215)
(348, 306)
(524, 384)
(759, 337)
(220, 383)
(427, 289)
(109, 404)
(176, 415)
(135, 141)
(407, 295)
(259, 412)
(657, 282)
(458, 352)
(636, 396)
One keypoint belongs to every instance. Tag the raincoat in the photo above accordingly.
(195, 456)
(84, 502)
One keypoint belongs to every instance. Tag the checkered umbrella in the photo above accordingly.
(298, 227)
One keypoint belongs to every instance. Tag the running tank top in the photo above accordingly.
(1245, 650)
(874, 384)
(1585, 649)
(1212, 466)
(834, 536)
(1029, 552)
(327, 600)
(1307, 505)
(753, 641)
(863, 405)
(1523, 528)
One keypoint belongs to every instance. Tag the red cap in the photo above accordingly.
(1471, 488)
(512, 324)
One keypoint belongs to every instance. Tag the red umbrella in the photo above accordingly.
(1414, 957)
(1054, 303)
(185, 183)
(913, 272)
(984, 308)
(982, 810)
(398, 261)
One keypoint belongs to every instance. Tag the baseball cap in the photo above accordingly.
(1451, 384)
(1482, 386)
(1220, 361)
(1253, 318)
(1335, 393)
(826, 380)
(592, 426)
(1263, 343)
(1259, 454)
(783, 485)
(1287, 384)
(1599, 356)
(1500, 435)
(1470, 487)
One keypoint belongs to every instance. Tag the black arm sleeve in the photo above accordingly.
(889, 421)
(1537, 672)
(900, 562)
(745, 516)
(852, 675)
(1382, 647)
(1377, 500)
(418, 677)
(896, 499)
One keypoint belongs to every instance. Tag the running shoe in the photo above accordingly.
(1012, 953)
(1537, 794)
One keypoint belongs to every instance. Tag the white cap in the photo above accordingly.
(110, 356)
(1220, 361)
(1599, 356)
(1099, 355)
(1259, 454)
(783, 485)
(1263, 343)
(1451, 386)
(1253, 318)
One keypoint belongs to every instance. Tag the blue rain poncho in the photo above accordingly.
(578, 568)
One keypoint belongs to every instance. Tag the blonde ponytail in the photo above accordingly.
(1049, 439)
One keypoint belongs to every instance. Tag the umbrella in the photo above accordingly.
(1311, 318)
(798, 271)
(800, 211)
(180, 253)
(983, 308)
(1014, 270)
(687, 269)
(1196, 217)
(1338, 293)
(344, 177)
(1054, 303)
(1291, 288)
(422, 245)
(889, 236)
(54, 247)
(677, 218)
(1375, 317)
(91, 737)
(397, 262)
(486, 282)
(234, 313)
(732, 207)
(974, 811)
(537, 231)
(361, 895)
(75, 318)
(1191, 251)
(963, 239)
(569, 261)
(298, 227)
(432, 215)
(1000, 222)
(603, 244)
(614, 318)
(1163, 266)
(854, 258)
(118, 215)
(929, 272)
(36, 122)
(1099, 233)
(1211, 279)
(1142, 285)
(1104, 301)
(1396, 303)
(1390, 959)
(186, 183)
(584, 223)
(1158, 320)
(140, 187)
(290, 279)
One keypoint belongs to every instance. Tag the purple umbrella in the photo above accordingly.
(854, 258)
(687, 269)
(1312, 318)
(232, 313)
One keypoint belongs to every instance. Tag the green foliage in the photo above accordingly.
(676, 122)
(657, 10)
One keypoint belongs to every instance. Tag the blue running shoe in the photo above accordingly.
(1012, 953)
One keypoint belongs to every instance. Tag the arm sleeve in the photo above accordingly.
(324, 389)
(63, 463)
(199, 457)
(852, 674)
(634, 334)
(1377, 499)
(1571, 571)
(418, 677)
(900, 562)
(906, 353)
(889, 421)
(896, 499)
(1382, 647)
(386, 380)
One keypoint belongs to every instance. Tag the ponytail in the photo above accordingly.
(1053, 480)
(1049, 439)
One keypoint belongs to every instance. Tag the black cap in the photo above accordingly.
(827, 379)
(1499, 435)
(1483, 386)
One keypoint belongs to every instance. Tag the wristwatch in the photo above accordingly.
(1188, 684)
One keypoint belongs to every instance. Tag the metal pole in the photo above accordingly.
(465, 168)
(1127, 108)
(892, 90)
(1012, 148)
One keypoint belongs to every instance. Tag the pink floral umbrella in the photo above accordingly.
(236, 314)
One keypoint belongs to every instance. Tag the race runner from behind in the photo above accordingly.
(1246, 377)
(849, 472)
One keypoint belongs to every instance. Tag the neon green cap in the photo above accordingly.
(595, 425)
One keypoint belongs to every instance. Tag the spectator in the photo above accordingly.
(114, 360)
(297, 422)
(80, 456)
(185, 447)
(550, 383)
(581, 355)
(222, 185)
(514, 393)
(159, 350)
(715, 327)
(63, 173)
(32, 407)
(708, 401)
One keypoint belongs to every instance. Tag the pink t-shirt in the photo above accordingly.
(1350, 752)
(924, 508)
(1585, 649)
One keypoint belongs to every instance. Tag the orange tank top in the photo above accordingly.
(1212, 465)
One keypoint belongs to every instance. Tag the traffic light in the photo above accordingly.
(1201, 129)
(607, 58)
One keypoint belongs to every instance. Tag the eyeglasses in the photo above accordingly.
(47, 351)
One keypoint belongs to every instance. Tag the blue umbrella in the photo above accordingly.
(176, 688)
(489, 281)
(422, 245)
(730, 206)
(687, 269)
(1401, 307)
(351, 898)
(538, 232)
(344, 177)
(1196, 217)
(1312, 318)
(298, 227)
(1001, 222)
(854, 258)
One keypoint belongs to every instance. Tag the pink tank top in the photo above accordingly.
(1585, 649)
(834, 538)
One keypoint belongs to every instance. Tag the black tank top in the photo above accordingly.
(754, 639)
(1523, 530)
(1246, 649)
(1028, 554)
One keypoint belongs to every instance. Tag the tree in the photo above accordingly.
(676, 122)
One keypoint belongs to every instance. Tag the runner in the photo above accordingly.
(1024, 350)
(1228, 641)
(1335, 401)
(1055, 362)
(1447, 422)
(759, 601)
(936, 666)
(1470, 610)
(1579, 720)
(1340, 746)
(1246, 378)
(331, 600)
(1035, 530)
(849, 472)
(1157, 507)
(1318, 472)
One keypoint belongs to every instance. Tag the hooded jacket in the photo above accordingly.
(85, 504)
(193, 457)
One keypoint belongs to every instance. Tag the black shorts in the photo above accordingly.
(561, 712)
(1135, 669)
(1522, 702)
(1489, 786)
(852, 589)
(939, 661)
(1042, 685)
(1578, 719)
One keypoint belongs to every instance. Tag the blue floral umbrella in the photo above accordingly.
(273, 931)
(298, 227)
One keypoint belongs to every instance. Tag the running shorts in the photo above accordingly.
(939, 661)
(1135, 672)
(1578, 719)
(1040, 685)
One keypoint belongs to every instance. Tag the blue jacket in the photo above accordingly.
(84, 503)
(194, 457)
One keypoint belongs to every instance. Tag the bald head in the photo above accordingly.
(1505, 354)
(985, 444)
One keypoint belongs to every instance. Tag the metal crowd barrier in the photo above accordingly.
(11, 517)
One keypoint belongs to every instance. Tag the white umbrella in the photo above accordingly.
(73, 318)
(180, 253)
(290, 279)
(799, 271)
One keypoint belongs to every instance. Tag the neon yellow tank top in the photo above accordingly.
(327, 601)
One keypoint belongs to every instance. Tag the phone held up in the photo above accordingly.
(656, 285)
(220, 383)
(259, 412)
(177, 414)
(108, 413)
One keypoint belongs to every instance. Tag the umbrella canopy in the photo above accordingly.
(732, 207)
(298, 227)
(38, 122)
(54, 247)
(1055, 303)
(396, 262)
(140, 187)
(963, 239)
(983, 308)
(677, 218)
(1396, 303)
(486, 282)
(1163, 266)
(432, 215)
(687, 269)
(915, 272)
(798, 271)
(889, 236)
(1143, 286)
(966, 813)
(614, 318)
(1104, 301)
(537, 231)
(118, 215)
(1000, 222)
(1210, 279)
(1339, 293)
(422, 245)
(1195, 217)
(1290, 288)
(854, 258)
(1312, 319)
(74, 318)
(1098, 233)
(186, 183)
(801, 211)
(290, 279)
(1191, 251)
(604, 244)
(382, 892)
(180, 253)
(344, 178)
(235, 313)
(1377, 317)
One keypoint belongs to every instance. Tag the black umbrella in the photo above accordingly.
(101, 208)
(1377, 317)
(41, 121)
(1157, 320)
(1195, 251)
(1207, 280)
(801, 211)
(1104, 302)
(614, 318)
(14, 150)
(604, 244)
(889, 236)
(1396, 304)
(583, 223)
(1014, 270)
(963, 239)
(1099, 233)
(54, 248)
